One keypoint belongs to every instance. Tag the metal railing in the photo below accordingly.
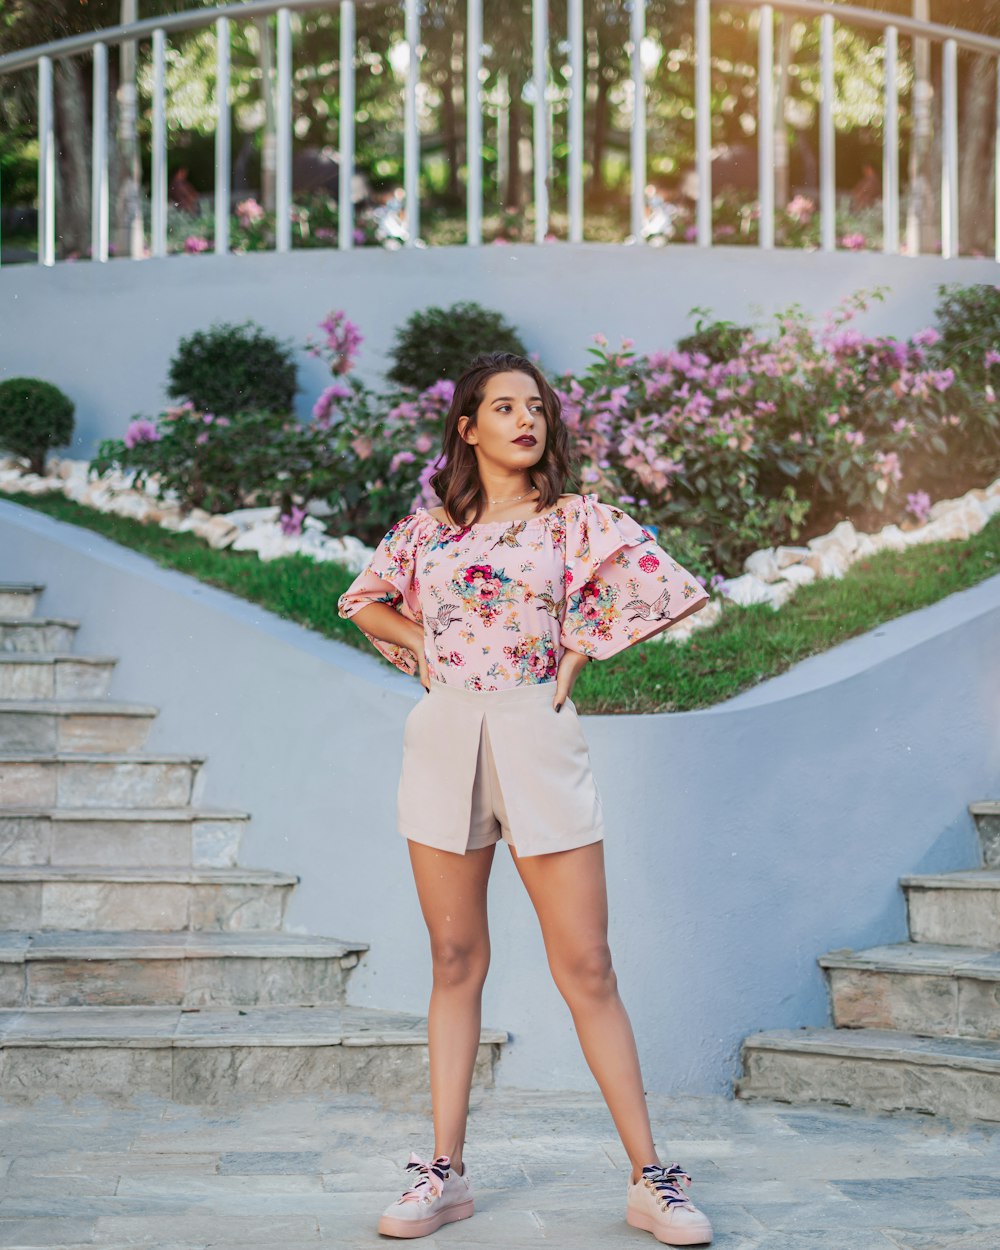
(892, 27)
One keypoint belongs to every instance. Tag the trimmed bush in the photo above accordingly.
(438, 343)
(34, 416)
(230, 369)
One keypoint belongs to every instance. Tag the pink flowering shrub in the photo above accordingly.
(732, 440)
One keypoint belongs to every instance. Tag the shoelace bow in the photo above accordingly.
(666, 1183)
(430, 1178)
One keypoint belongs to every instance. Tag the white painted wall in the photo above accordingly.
(105, 333)
(743, 841)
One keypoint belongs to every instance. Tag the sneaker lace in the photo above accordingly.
(430, 1178)
(666, 1184)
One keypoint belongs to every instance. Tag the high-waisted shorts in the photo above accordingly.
(479, 766)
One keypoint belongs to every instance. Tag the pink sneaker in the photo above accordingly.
(657, 1204)
(437, 1196)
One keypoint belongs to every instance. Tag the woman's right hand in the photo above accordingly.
(417, 647)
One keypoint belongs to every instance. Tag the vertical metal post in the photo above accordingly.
(827, 176)
(474, 124)
(345, 181)
(46, 166)
(949, 150)
(411, 132)
(222, 136)
(765, 127)
(638, 138)
(890, 146)
(540, 160)
(99, 201)
(996, 172)
(578, 90)
(703, 119)
(283, 171)
(158, 155)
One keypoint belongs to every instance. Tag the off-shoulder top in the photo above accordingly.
(500, 601)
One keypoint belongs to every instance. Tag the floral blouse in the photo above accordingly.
(500, 601)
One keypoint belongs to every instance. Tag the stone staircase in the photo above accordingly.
(136, 954)
(917, 1023)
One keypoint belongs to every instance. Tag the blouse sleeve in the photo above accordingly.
(389, 578)
(620, 586)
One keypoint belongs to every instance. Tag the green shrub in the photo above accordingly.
(230, 369)
(439, 342)
(719, 340)
(34, 416)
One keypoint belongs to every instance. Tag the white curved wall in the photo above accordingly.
(105, 333)
(743, 841)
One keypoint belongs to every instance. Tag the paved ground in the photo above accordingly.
(548, 1171)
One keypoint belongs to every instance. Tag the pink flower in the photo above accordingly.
(423, 443)
(362, 446)
(800, 209)
(141, 431)
(919, 504)
(401, 457)
(854, 437)
(343, 338)
(991, 358)
(649, 563)
(926, 338)
(291, 523)
(324, 406)
(194, 243)
(854, 242)
(249, 211)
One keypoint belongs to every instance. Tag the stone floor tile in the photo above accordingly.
(48, 1232)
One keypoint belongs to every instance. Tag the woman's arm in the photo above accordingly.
(383, 622)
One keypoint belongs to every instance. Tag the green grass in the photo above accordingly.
(747, 646)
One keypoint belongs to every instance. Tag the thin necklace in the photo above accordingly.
(516, 497)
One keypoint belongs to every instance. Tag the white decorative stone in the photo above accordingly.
(746, 590)
(762, 564)
(832, 560)
(843, 535)
(786, 556)
(798, 574)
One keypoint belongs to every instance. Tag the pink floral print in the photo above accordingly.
(501, 601)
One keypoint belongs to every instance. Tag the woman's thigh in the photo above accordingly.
(568, 890)
(452, 891)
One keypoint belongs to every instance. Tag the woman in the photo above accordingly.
(497, 600)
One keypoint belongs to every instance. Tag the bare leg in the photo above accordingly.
(569, 893)
(452, 893)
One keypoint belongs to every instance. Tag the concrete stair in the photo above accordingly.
(136, 953)
(917, 1023)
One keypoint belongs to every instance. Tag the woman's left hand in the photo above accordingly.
(569, 667)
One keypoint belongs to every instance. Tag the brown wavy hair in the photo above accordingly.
(457, 484)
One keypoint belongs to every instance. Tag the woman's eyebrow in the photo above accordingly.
(509, 399)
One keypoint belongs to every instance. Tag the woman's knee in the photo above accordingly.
(459, 963)
(586, 972)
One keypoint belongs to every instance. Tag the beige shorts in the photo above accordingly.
(479, 766)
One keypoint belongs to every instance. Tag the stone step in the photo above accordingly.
(18, 600)
(73, 725)
(934, 990)
(121, 837)
(987, 818)
(877, 1069)
(38, 897)
(955, 908)
(147, 967)
(37, 633)
(58, 675)
(215, 1055)
(79, 779)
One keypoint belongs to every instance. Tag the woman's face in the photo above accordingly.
(511, 409)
